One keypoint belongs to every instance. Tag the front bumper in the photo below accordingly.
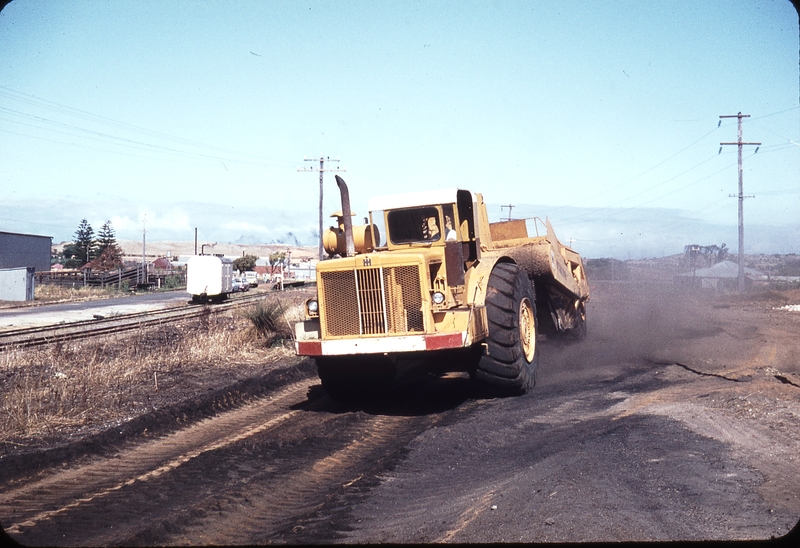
(381, 345)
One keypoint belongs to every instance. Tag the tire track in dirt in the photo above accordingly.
(308, 495)
(273, 508)
(64, 490)
(274, 470)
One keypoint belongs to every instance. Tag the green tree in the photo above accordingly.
(245, 263)
(109, 254)
(72, 257)
(84, 243)
(279, 257)
(105, 237)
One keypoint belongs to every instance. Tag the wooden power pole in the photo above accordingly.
(321, 169)
(741, 195)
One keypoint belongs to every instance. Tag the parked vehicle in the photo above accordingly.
(252, 278)
(209, 278)
(240, 284)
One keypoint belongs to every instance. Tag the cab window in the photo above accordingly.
(417, 225)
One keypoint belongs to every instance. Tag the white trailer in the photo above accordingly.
(209, 277)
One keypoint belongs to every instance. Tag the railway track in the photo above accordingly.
(40, 335)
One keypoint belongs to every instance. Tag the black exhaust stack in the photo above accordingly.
(350, 247)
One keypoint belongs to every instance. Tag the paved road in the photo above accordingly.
(70, 312)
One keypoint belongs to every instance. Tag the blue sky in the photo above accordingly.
(602, 116)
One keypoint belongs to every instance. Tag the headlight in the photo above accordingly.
(438, 297)
(312, 306)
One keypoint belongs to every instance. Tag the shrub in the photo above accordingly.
(172, 282)
(269, 320)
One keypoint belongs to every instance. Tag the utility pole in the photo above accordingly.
(741, 195)
(144, 246)
(322, 160)
(510, 207)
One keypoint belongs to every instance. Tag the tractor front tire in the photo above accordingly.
(508, 364)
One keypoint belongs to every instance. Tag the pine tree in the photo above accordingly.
(105, 237)
(109, 254)
(84, 242)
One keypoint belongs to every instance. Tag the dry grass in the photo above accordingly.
(51, 293)
(59, 390)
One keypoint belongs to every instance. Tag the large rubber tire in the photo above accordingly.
(355, 377)
(574, 334)
(579, 332)
(508, 365)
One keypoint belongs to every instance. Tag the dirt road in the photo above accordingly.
(678, 418)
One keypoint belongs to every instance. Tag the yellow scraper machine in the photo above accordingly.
(429, 282)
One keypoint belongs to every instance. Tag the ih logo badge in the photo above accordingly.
(367, 261)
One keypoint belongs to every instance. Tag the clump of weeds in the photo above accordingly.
(272, 321)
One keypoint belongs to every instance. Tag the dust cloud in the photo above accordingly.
(630, 323)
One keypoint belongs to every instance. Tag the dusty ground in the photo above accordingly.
(677, 419)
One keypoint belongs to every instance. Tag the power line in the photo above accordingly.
(648, 170)
(71, 111)
(592, 215)
(176, 156)
(232, 155)
(608, 190)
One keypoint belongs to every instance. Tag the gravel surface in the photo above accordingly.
(678, 418)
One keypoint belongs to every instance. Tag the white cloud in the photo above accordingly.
(620, 233)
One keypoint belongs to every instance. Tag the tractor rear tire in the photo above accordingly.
(508, 365)
(578, 333)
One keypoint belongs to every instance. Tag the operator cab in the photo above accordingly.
(426, 219)
(421, 224)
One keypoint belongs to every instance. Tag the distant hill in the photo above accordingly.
(132, 249)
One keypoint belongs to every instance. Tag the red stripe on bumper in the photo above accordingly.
(309, 348)
(445, 340)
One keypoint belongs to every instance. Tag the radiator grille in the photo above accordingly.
(338, 292)
(404, 299)
(372, 301)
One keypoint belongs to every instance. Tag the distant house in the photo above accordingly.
(722, 276)
(162, 263)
